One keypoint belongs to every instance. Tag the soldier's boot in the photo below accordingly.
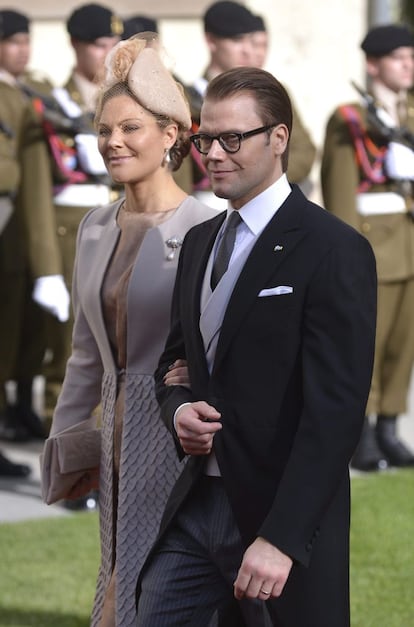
(368, 456)
(10, 429)
(397, 453)
(11, 469)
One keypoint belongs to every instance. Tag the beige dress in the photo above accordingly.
(114, 298)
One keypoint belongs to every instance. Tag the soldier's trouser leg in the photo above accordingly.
(394, 349)
(12, 291)
(59, 339)
(29, 364)
(32, 343)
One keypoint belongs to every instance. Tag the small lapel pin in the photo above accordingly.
(278, 247)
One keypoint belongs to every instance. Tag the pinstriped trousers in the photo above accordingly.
(193, 570)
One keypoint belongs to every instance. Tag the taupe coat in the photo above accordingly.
(149, 465)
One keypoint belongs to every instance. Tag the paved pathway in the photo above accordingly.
(21, 500)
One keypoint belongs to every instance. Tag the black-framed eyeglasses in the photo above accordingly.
(230, 142)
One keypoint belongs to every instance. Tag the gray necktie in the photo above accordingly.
(225, 249)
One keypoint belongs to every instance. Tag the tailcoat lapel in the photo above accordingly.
(200, 252)
(275, 244)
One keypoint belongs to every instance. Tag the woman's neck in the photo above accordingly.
(150, 198)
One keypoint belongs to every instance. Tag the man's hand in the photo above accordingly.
(263, 572)
(196, 424)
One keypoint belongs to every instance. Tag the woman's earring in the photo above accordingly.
(167, 158)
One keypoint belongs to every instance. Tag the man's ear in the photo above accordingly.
(279, 139)
(211, 42)
(372, 67)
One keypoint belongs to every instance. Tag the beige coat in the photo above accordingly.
(149, 465)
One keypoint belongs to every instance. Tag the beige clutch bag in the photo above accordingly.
(66, 457)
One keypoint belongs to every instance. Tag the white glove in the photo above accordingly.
(50, 292)
(399, 162)
(89, 157)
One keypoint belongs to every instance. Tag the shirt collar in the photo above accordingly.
(8, 78)
(258, 212)
(88, 90)
(388, 98)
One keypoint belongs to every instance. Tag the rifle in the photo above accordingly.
(382, 122)
(53, 113)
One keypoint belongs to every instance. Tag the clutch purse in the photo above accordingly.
(66, 457)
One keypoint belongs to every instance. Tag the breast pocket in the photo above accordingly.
(273, 316)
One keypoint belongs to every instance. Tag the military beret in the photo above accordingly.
(12, 22)
(229, 19)
(139, 24)
(260, 24)
(91, 21)
(382, 40)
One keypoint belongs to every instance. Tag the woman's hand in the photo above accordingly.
(178, 374)
(89, 481)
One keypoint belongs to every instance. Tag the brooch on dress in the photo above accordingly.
(174, 243)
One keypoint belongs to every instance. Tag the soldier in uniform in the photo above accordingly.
(260, 39)
(367, 180)
(80, 177)
(230, 32)
(27, 250)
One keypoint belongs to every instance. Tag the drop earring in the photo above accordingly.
(167, 158)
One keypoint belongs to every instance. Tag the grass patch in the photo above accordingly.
(48, 571)
(48, 567)
(382, 550)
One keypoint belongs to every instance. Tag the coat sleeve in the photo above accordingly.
(81, 390)
(339, 171)
(337, 358)
(36, 197)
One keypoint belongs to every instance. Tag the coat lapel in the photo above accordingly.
(201, 247)
(271, 250)
(99, 259)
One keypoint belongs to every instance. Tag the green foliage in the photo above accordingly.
(382, 549)
(48, 571)
(48, 568)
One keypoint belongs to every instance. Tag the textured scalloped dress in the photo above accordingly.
(139, 463)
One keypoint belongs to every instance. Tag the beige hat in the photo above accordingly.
(137, 62)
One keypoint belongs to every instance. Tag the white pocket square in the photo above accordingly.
(277, 291)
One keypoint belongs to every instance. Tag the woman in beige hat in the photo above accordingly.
(127, 254)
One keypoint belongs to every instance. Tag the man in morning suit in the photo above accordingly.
(280, 352)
